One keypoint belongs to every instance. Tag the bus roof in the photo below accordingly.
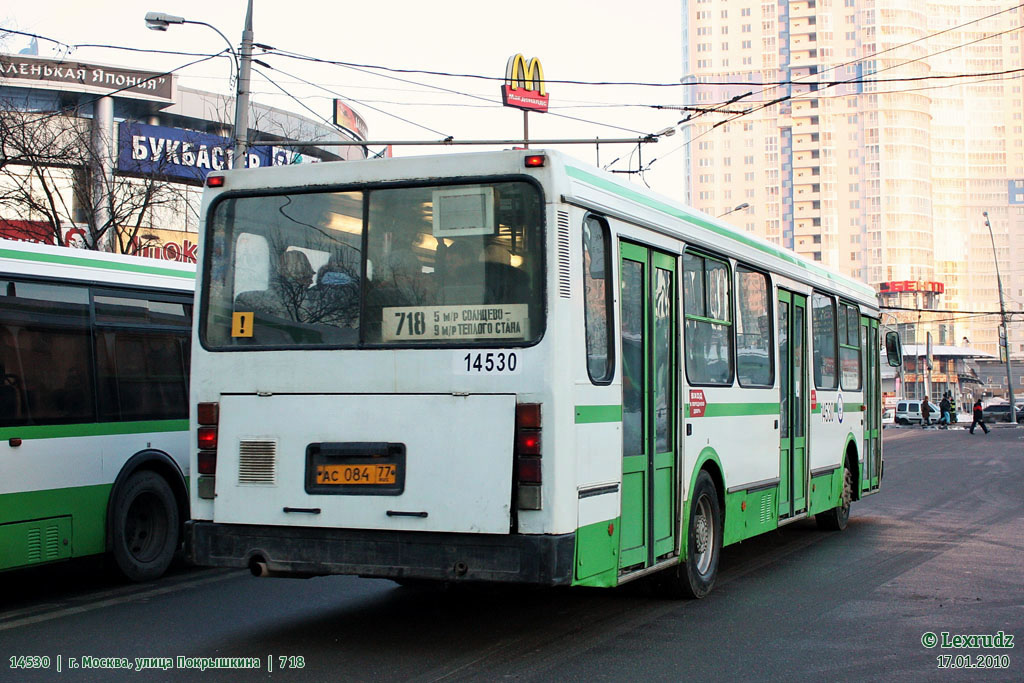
(31, 259)
(574, 182)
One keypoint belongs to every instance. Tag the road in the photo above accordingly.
(939, 550)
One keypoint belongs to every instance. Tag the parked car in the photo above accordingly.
(908, 413)
(998, 412)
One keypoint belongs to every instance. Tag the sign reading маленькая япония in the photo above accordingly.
(59, 74)
(188, 154)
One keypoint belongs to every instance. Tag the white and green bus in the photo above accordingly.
(512, 367)
(94, 354)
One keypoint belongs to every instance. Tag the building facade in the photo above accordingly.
(115, 158)
(870, 135)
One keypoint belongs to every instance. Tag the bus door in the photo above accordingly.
(649, 329)
(872, 404)
(793, 408)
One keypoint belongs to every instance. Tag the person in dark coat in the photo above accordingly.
(944, 408)
(978, 415)
(926, 413)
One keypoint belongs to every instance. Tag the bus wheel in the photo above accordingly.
(144, 526)
(837, 518)
(694, 577)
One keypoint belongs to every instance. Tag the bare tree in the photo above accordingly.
(49, 174)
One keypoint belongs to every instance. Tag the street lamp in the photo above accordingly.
(742, 206)
(159, 21)
(1012, 413)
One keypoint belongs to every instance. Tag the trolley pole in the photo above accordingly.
(1005, 342)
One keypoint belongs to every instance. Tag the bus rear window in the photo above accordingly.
(428, 265)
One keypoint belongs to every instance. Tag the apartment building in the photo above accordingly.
(870, 135)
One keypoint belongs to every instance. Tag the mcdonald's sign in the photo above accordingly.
(524, 84)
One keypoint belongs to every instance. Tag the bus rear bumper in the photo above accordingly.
(309, 551)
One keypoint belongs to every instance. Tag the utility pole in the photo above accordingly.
(242, 93)
(1005, 341)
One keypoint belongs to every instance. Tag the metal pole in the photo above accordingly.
(526, 129)
(1011, 416)
(242, 94)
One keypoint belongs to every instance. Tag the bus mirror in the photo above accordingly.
(893, 350)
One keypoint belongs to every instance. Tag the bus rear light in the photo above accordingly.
(208, 413)
(207, 462)
(528, 442)
(528, 470)
(535, 161)
(528, 416)
(215, 181)
(207, 437)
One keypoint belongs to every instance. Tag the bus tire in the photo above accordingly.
(144, 526)
(695, 576)
(837, 518)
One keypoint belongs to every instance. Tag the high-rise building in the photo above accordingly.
(870, 135)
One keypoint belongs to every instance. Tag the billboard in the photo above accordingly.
(188, 154)
(58, 74)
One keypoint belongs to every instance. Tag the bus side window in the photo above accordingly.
(49, 327)
(823, 323)
(708, 332)
(596, 290)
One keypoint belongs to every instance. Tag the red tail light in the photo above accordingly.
(208, 413)
(208, 438)
(207, 463)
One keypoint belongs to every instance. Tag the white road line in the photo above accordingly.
(221, 575)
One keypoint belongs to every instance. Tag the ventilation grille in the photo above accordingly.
(564, 288)
(766, 508)
(257, 462)
(43, 544)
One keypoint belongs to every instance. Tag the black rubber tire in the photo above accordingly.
(144, 526)
(837, 518)
(695, 576)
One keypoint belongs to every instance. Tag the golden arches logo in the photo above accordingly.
(525, 75)
(524, 84)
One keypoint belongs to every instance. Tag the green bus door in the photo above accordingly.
(872, 451)
(649, 405)
(793, 395)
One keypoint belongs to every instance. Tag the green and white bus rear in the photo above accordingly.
(512, 367)
(94, 354)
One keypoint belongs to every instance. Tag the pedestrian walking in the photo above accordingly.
(944, 408)
(978, 415)
(926, 411)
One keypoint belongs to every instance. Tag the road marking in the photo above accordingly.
(120, 597)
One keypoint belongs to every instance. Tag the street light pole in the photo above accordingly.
(740, 207)
(1012, 413)
(159, 21)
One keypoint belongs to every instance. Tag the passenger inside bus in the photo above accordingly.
(288, 291)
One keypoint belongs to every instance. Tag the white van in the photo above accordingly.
(909, 413)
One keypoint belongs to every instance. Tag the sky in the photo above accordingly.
(580, 40)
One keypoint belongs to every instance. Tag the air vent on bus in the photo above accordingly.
(43, 544)
(766, 508)
(564, 287)
(257, 462)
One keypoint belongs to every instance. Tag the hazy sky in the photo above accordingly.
(595, 40)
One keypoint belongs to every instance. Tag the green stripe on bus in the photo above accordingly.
(736, 409)
(85, 505)
(92, 429)
(79, 261)
(633, 195)
(592, 414)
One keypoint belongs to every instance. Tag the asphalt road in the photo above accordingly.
(939, 550)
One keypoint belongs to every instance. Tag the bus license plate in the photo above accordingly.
(356, 474)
